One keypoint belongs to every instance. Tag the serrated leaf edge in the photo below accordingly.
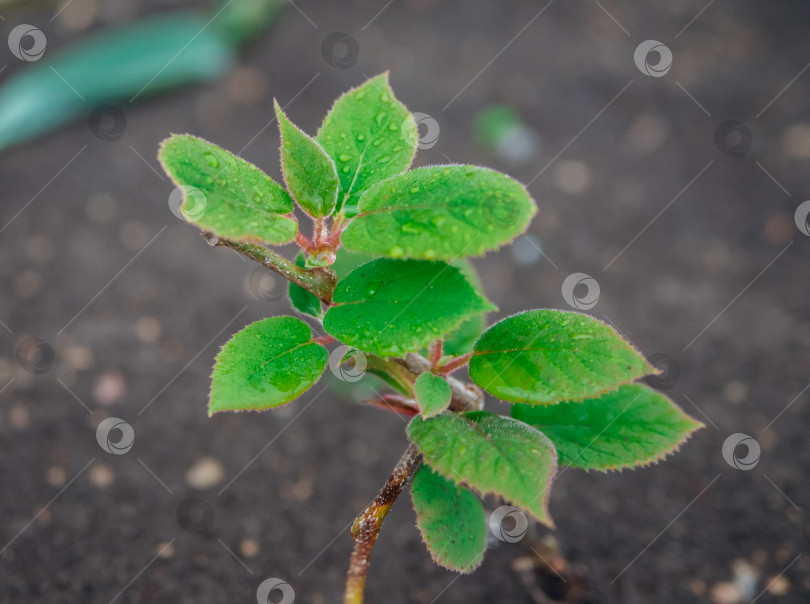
(246, 239)
(484, 250)
(481, 295)
(280, 111)
(546, 493)
(386, 75)
(211, 412)
(648, 368)
(433, 557)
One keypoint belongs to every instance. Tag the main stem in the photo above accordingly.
(366, 527)
(319, 281)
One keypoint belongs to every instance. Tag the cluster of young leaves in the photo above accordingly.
(569, 377)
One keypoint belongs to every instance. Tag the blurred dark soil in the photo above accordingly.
(133, 324)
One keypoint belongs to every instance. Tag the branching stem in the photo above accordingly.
(436, 353)
(454, 364)
(319, 281)
(366, 527)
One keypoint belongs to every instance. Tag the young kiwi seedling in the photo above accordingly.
(415, 312)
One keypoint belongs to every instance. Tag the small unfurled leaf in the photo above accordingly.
(547, 356)
(491, 453)
(226, 195)
(368, 134)
(432, 394)
(302, 300)
(631, 426)
(390, 307)
(440, 212)
(451, 520)
(267, 364)
(309, 172)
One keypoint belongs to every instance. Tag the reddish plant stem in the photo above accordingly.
(324, 340)
(455, 364)
(366, 527)
(436, 353)
(395, 402)
(333, 240)
(304, 243)
(320, 233)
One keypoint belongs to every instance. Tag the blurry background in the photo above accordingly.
(679, 193)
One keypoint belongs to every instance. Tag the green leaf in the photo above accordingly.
(546, 356)
(309, 172)
(267, 364)
(491, 453)
(302, 300)
(451, 520)
(440, 212)
(461, 341)
(368, 135)
(346, 261)
(432, 394)
(225, 194)
(631, 426)
(390, 307)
